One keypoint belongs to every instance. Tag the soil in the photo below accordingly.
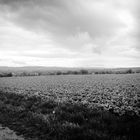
(8, 134)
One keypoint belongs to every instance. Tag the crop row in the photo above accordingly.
(38, 118)
(117, 93)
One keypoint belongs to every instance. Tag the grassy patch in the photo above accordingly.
(37, 118)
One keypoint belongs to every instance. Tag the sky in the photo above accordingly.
(70, 33)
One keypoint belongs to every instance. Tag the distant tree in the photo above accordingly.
(6, 74)
(69, 72)
(75, 72)
(96, 72)
(137, 71)
(58, 73)
(23, 74)
(129, 71)
(9, 74)
(1, 75)
(83, 71)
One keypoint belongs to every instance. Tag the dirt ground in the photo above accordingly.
(7, 134)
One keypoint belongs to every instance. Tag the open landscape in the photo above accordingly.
(69, 69)
(71, 107)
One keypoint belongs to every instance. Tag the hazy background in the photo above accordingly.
(70, 33)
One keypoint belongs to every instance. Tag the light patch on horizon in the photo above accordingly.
(76, 33)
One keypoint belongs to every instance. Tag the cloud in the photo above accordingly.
(66, 29)
(136, 34)
(64, 20)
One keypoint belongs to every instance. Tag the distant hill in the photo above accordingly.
(38, 70)
(42, 68)
(30, 69)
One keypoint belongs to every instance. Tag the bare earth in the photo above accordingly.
(7, 134)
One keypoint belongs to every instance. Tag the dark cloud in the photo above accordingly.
(138, 25)
(135, 34)
(64, 19)
(91, 30)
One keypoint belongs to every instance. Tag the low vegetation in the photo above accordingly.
(37, 118)
(72, 107)
(67, 72)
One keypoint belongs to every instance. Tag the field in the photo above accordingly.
(68, 107)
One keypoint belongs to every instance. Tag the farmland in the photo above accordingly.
(72, 106)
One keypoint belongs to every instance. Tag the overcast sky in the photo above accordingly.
(70, 33)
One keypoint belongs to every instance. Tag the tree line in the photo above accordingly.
(69, 72)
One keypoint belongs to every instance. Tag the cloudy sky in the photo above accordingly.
(70, 33)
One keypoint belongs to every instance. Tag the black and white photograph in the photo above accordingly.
(69, 69)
